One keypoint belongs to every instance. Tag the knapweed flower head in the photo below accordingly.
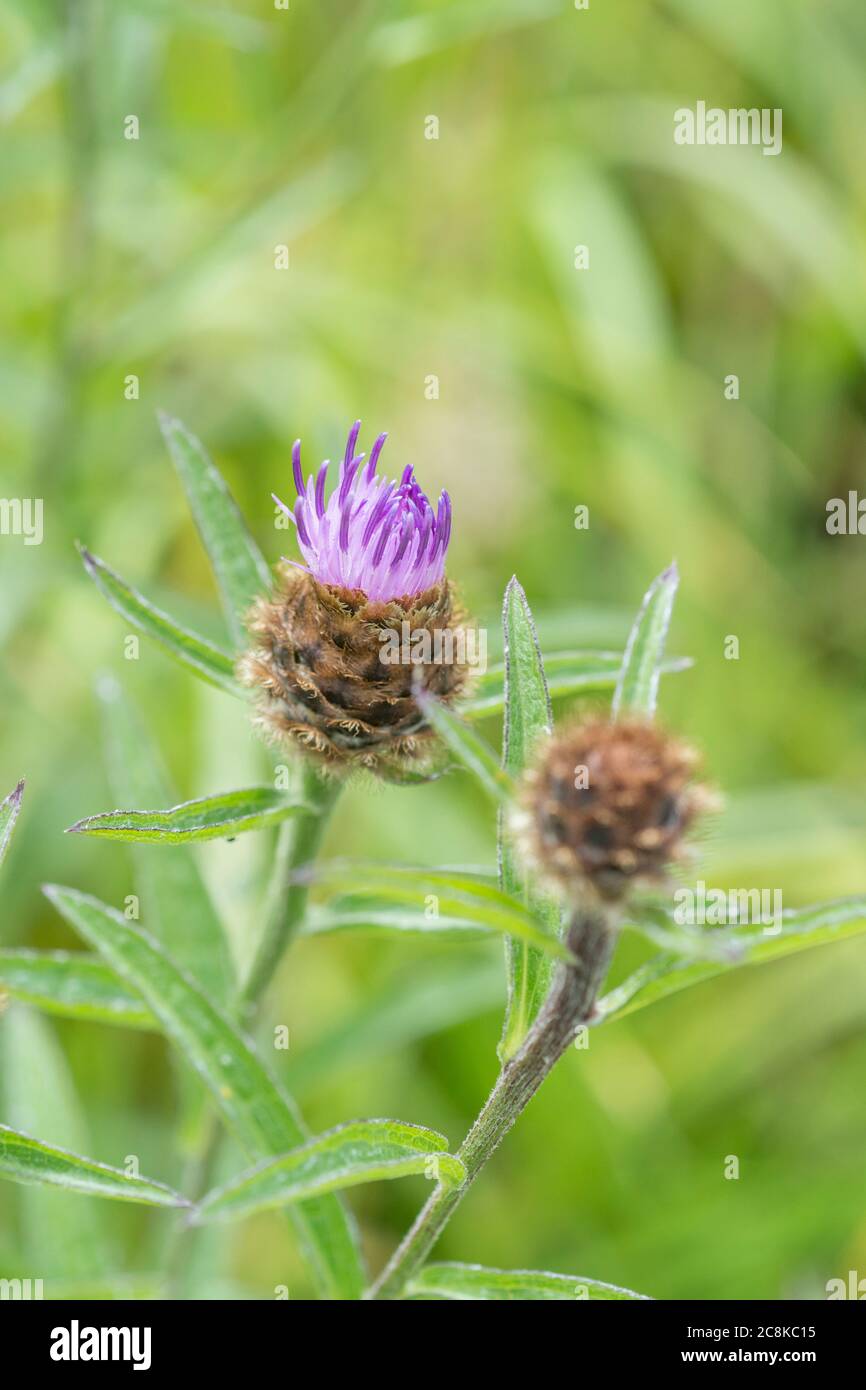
(382, 538)
(322, 656)
(606, 806)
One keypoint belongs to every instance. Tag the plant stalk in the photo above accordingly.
(591, 938)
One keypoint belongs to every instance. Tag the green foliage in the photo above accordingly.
(465, 898)
(799, 930)
(474, 1283)
(137, 983)
(638, 683)
(240, 571)
(27, 1160)
(72, 985)
(192, 651)
(566, 673)
(468, 747)
(9, 812)
(178, 908)
(528, 717)
(251, 1103)
(366, 1151)
(218, 817)
(558, 387)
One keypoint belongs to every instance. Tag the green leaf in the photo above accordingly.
(473, 1282)
(365, 1151)
(210, 818)
(637, 687)
(27, 1160)
(528, 717)
(568, 673)
(72, 985)
(376, 917)
(208, 662)
(176, 902)
(451, 894)
(240, 569)
(467, 746)
(250, 1101)
(9, 810)
(802, 928)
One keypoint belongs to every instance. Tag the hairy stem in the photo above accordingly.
(570, 1003)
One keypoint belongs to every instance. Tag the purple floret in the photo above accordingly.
(377, 536)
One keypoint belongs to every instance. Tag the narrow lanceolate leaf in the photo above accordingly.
(240, 570)
(408, 921)
(568, 673)
(27, 1160)
(210, 818)
(196, 653)
(637, 687)
(366, 1151)
(72, 985)
(254, 1107)
(9, 810)
(528, 717)
(801, 929)
(468, 747)
(473, 1282)
(437, 891)
(176, 905)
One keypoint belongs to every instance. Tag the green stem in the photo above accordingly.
(570, 1003)
(297, 846)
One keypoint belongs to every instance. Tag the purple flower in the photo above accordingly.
(377, 536)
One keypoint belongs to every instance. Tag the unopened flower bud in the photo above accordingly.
(608, 805)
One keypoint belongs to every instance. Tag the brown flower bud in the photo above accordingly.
(607, 806)
(336, 673)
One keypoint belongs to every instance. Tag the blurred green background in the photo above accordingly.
(412, 258)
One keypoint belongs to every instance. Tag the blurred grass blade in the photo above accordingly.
(474, 1282)
(365, 1151)
(9, 809)
(72, 985)
(440, 891)
(106, 1287)
(176, 904)
(410, 1005)
(637, 687)
(468, 747)
(27, 1160)
(210, 818)
(528, 717)
(238, 565)
(63, 1233)
(567, 673)
(252, 1105)
(194, 652)
(802, 929)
